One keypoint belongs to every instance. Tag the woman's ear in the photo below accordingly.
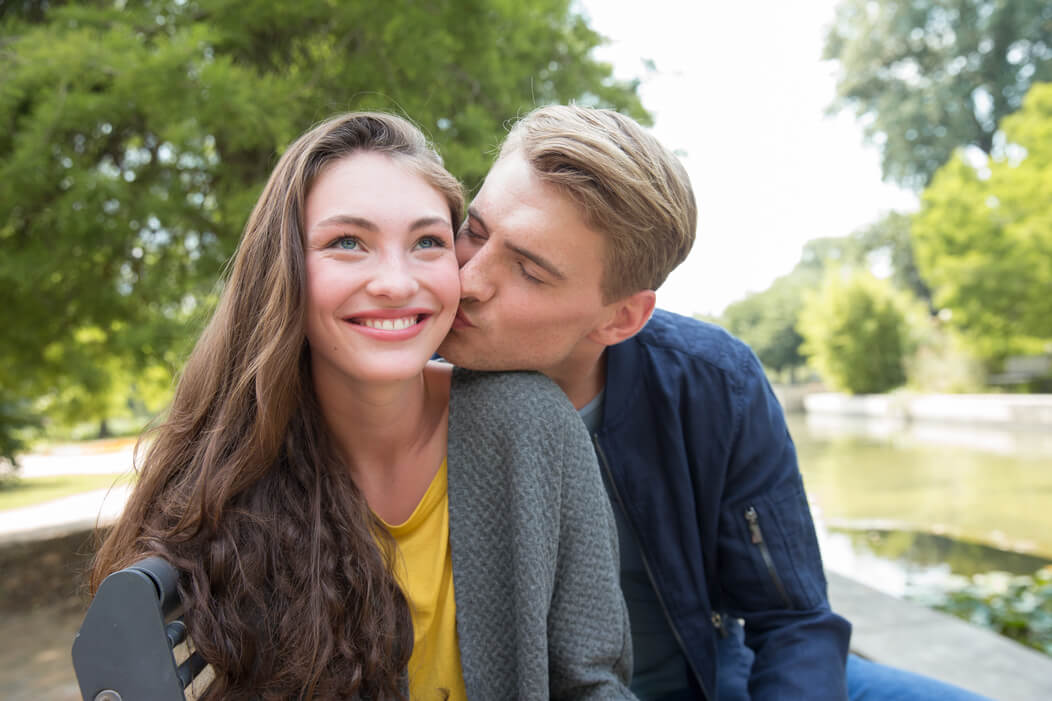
(625, 318)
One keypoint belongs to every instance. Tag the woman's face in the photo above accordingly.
(382, 284)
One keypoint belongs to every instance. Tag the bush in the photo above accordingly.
(856, 332)
(1016, 606)
(942, 363)
(15, 419)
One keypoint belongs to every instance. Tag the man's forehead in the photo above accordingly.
(514, 201)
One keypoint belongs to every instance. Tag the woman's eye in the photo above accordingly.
(430, 242)
(347, 243)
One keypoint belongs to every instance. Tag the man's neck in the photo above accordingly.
(581, 378)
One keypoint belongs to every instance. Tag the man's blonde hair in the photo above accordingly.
(632, 190)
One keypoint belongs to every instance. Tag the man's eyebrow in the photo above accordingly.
(362, 223)
(474, 214)
(536, 258)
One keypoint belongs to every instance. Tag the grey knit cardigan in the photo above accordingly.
(535, 571)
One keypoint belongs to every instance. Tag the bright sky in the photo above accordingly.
(741, 90)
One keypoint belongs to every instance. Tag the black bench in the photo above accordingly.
(124, 650)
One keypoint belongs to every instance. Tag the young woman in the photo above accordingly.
(345, 512)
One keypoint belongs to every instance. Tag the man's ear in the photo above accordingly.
(626, 317)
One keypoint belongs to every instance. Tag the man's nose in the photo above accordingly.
(476, 279)
(393, 279)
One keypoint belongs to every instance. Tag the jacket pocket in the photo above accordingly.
(776, 560)
(752, 517)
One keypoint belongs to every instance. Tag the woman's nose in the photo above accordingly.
(393, 279)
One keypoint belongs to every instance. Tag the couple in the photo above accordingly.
(355, 520)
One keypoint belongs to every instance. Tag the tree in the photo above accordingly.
(856, 332)
(930, 76)
(984, 237)
(767, 321)
(818, 254)
(134, 138)
(890, 240)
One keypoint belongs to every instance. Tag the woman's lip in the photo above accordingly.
(389, 313)
(389, 334)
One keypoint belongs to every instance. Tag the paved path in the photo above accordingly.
(96, 457)
(79, 512)
(915, 638)
(35, 659)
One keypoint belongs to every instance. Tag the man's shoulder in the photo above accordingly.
(699, 344)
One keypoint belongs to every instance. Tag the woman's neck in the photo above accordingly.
(392, 435)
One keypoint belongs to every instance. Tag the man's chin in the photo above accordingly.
(461, 354)
(475, 357)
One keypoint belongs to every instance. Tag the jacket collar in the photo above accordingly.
(623, 383)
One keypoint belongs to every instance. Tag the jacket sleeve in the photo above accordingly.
(589, 638)
(770, 568)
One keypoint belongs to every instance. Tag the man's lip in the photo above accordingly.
(461, 321)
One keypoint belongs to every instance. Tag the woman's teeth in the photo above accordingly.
(389, 324)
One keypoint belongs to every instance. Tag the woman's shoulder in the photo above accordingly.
(514, 432)
(512, 412)
(510, 394)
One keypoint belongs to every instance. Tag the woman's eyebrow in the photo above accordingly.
(363, 223)
(347, 220)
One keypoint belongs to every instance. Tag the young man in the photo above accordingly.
(581, 218)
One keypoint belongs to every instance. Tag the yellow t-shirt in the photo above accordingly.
(425, 572)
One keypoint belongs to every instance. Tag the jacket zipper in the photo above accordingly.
(650, 574)
(753, 519)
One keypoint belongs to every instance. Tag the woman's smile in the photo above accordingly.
(390, 325)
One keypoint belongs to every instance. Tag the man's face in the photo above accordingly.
(530, 278)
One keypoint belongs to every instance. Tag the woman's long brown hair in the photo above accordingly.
(285, 574)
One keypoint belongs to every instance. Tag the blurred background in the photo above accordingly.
(874, 181)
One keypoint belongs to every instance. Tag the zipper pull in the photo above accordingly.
(754, 525)
(717, 621)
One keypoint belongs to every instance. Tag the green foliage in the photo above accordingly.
(1018, 607)
(984, 238)
(767, 322)
(135, 136)
(890, 240)
(929, 76)
(818, 254)
(856, 333)
(15, 419)
(941, 362)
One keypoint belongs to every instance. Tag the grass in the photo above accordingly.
(29, 491)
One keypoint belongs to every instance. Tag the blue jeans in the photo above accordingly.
(869, 681)
(866, 681)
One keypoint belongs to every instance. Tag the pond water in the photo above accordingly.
(905, 506)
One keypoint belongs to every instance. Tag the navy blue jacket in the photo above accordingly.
(696, 447)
